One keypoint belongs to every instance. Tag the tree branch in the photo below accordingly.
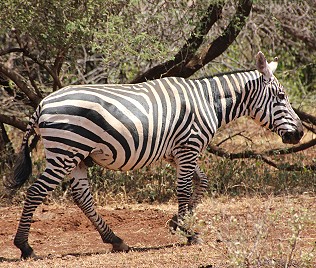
(18, 80)
(294, 149)
(185, 54)
(310, 128)
(13, 121)
(11, 50)
(56, 70)
(305, 116)
(251, 154)
(53, 73)
(298, 34)
(220, 44)
(186, 62)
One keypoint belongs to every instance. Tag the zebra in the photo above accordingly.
(129, 126)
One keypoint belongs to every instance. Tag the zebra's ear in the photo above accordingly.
(263, 66)
(273, 64)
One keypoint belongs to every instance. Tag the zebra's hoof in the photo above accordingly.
(29, 255)
(195, 240)
(26, 251)
(173, 224)
(120, 247)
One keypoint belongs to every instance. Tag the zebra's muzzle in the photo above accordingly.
(292, 137)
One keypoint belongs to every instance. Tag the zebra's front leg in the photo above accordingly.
(83, 198)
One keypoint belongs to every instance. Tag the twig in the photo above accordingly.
(232, 136)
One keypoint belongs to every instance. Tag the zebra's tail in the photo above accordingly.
(23, 164)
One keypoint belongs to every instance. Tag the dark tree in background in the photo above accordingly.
(45, 45)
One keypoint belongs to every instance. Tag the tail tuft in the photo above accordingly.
(23, 164)
(22, 169)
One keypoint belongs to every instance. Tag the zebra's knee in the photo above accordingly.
(35, 194)
(80, 191)
(76, 192)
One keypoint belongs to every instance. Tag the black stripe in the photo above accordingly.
(72, 143)
(217, 104)
(69, 154)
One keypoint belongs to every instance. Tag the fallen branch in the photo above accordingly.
(251, 154)
(305, 116)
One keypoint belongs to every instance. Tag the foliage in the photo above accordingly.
(285, 29)
(47, 44)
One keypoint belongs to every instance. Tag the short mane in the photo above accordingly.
(226, 73)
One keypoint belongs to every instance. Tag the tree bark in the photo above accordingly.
(6, 148)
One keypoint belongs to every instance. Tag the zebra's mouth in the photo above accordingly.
(292, 137)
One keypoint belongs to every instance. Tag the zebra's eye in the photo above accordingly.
(281, 95)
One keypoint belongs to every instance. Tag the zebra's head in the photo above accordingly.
(270, 106)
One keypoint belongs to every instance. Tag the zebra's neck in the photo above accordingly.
(230, 94)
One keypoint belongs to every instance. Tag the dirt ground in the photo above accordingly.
(256, 230)
(62, 230)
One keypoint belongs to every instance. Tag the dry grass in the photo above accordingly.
(242, 232)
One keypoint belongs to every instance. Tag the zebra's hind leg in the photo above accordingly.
(200, 182)
(46, 183)
(83, 198)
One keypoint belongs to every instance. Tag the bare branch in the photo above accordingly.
(13, 121)
(53, 73)
(11, 50)
(232, 136)
(18, 80)
(56, 70)
(305, 116)
(298, 34)
(50, 71)
(251, 154)
(294, 149)
(189, 49)
(310, 128)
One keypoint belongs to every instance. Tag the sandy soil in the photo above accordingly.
(256, 228)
